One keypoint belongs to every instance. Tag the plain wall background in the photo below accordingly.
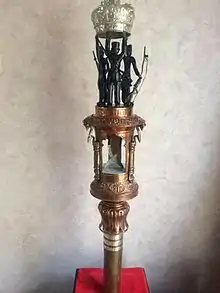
(48, 220)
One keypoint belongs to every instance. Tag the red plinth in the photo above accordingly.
(133, 280)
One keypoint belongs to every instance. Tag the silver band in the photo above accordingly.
(113, 242)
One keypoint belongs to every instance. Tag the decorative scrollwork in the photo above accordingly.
(113, 217)
(114, 191)
(117, 187)
(103, 122)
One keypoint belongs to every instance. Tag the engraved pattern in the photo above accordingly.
(114, 187)
(118, 187)
(101, 111)
(103, 122)
(114, 217)
(114, 112)
(113, 16)
(115, 191)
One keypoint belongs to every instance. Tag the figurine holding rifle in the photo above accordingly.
(114, 78)
(103, 68)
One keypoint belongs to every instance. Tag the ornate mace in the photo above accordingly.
(114, 129)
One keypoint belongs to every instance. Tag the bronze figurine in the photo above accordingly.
(129, 61)
(114, 76)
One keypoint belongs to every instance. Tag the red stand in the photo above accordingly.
(133, 280)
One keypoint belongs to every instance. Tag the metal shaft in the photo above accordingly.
(113, 245)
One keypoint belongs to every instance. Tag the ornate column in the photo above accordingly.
(97, 161)
(131, 159)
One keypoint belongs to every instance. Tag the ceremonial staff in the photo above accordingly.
(114, 121)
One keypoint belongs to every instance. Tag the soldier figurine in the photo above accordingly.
(114, 78)
(103, 67)
(127, 81)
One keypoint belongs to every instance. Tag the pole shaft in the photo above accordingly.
(113, 226)
(112, 262)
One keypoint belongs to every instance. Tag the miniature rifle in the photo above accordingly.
(96, 60)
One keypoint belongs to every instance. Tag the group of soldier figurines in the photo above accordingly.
(114, 63)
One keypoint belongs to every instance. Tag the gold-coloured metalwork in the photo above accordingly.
(113, 242)
(121, 112)
(114, 217)
(114, 17)
(114, 182)
(96, 148)
(116, 192)
(131, 162)
(100, 160)
(112, 271)
(119, 124)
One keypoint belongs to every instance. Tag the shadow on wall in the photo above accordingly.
(212, 279)
(198, 275)
(182, 279)
(55, 285)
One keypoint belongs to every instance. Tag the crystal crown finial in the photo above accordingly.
(112, 16)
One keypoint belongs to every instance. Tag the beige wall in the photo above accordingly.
(48, 220)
